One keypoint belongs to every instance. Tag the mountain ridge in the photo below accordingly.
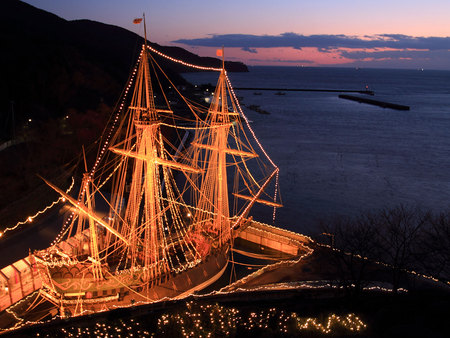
(51, 65)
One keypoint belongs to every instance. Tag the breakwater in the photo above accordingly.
(367, 92)
(378, 103)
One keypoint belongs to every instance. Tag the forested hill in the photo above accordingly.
(49, 65)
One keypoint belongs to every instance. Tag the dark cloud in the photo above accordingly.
(437, 58)
(390, 54)
(250, 50)
(322, 42)
(282, 61)
(382, 50)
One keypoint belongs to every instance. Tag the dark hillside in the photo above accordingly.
(60, 81)
(49, 65)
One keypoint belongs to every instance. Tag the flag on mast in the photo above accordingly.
(137, 20)
(219, 52)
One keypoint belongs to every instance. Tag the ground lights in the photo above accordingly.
(212, 320)
(203, 316)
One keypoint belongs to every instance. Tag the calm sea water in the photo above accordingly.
(343, 157)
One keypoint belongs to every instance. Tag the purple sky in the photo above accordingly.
(382, 33)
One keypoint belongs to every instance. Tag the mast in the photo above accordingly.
(95, 257)
(214, 185)
(145, 31)
(223, 142)
(146, 176)
(222, 133)
(152, 225)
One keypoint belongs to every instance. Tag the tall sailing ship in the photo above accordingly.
(178, 190)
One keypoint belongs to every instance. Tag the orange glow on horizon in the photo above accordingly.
(282, 56)
(305, 57)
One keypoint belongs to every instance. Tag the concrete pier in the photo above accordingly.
(367, 92)
(382, 104)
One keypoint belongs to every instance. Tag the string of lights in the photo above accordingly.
(116, 117)
(11, 311)
(257, 141)
(182, 62)
(323, 284)
(266, 268)
(248, 123)
(194, 128)
(412, 272)
(30, 219)
(315, 285)
(211, 320)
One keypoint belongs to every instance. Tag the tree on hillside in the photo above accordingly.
(433, 255)
(356, 239)
(401, 237)
(398, 233)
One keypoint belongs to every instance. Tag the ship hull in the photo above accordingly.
(77, 295)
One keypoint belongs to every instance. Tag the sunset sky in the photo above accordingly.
(382, 33)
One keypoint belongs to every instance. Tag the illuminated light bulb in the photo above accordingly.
(29, 219)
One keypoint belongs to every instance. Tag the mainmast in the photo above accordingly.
(222, 119)
(145, 173)
(149, 220)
